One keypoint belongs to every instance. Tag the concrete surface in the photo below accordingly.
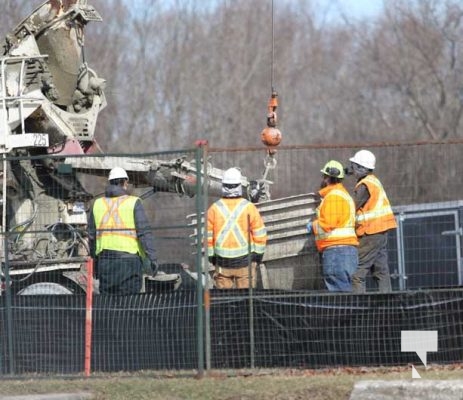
(416, 389)
(51, 396)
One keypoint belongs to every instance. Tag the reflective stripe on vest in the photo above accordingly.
(259, 234)
(229, 227)
(343, 232)
(115, 224)
(380, 210)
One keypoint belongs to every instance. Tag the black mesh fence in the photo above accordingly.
(289, 330)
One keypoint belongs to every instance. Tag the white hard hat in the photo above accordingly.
(231, 176)
(365, 158)
(117, 173)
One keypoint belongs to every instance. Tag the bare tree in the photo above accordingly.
(188, 69)
(412, 64)
(13, 12)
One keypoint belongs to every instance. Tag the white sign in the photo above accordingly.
(419, 342)
(28, 140)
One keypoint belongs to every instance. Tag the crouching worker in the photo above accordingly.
(234, 227)
(120, 238)
(334, 230)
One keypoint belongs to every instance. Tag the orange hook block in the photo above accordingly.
(272, 108)
(271, 135)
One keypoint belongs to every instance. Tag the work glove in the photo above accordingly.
(154, 268)
(309, 227)
(257, 258)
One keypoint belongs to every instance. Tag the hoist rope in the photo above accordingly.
(273, 52)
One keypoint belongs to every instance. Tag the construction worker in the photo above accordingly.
(374, 219)
(334, 230)
(120, 238)
(235, 233)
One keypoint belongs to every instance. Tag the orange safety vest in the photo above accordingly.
(376, 214)
(115, 224)
(227, 228)
(335, 221)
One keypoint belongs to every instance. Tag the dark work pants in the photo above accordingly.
(372, 257)
(120, 275)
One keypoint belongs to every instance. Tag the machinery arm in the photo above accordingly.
(170, 176)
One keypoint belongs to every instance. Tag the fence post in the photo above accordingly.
(8, 305)
(199, 256)
(88, 318)
(6, 271)
(205, 263)
(251, 300)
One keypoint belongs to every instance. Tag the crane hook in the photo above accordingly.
(271, 135)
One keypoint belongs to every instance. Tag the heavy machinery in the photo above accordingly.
(50, 100)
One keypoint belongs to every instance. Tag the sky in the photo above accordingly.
(355, 8)
(358, 9)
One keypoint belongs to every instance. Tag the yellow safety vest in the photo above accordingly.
(115, 224)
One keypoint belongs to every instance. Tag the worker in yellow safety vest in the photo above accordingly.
(235, 234)
(373, 221)
(120, 238)
(334, 230)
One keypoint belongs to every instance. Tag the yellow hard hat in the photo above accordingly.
(333, 168)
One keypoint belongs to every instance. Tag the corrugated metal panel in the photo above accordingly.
(285, 220)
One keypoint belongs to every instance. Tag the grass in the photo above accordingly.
(332, 384)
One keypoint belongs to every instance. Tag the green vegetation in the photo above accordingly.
(329, 384)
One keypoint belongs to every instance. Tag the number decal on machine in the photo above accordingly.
(40, 140)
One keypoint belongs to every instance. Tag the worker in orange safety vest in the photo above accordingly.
(334, 230)
(373, 221)
(235, 234)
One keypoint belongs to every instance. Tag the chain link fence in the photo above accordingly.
(46, 201)
(289, 320)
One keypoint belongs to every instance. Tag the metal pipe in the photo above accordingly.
(199, 283)
(400, 250)
(205, 269)
(251, 300)
(9, 315)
